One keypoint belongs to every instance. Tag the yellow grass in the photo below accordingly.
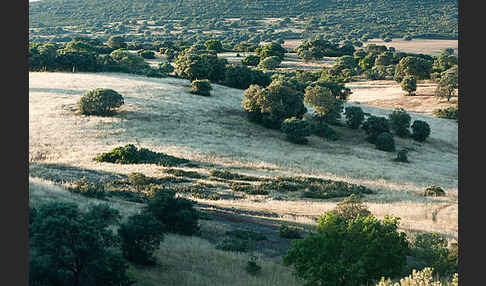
(162, 115)
(418, 46)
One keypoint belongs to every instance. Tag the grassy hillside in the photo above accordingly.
(162, 115)
(421, 18)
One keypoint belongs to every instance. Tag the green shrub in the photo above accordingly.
(88, 189)
(165, 68)
(233, 244)
(354, 116)
(402, 156)
(251, 60)
(374, 126)
(332, 189)
(351, 207)
(182, 173)
(400, 122)
(248, 188)
(286, 231)
(201, 87)
(138, 180)
(129, 154)
(224, 174)
(140, 237)
(252, 267)
(434, 191)
(71, 247)
(146, 54)
(270, 63)
(451, 112)
(385, 142)
(323, 130)
(420, 130)
(409, 84)
(296, 130)
(432, 248)
(100, 101)
(176, 213)
(279, 186)
(349, 252)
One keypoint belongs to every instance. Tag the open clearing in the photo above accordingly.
(417, 46)
(162, 115)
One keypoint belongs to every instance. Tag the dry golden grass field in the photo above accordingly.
(162, 115)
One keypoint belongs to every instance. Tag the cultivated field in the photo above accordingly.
(161, 114)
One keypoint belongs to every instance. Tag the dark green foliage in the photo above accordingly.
(55, 260)
(270, 63)
(88, 189)
(138, 180)
(449, 113)
(448, 83)
(176, 213)
(432, 249)
(100, 101)
(409, 84)
(165, 68)
(271, 49)
(420, 130)
(128, 62)
(385, 142)
(252, 267)
(191, 66)
(182, 173)
(278, 185)
(349, 252)
(248, 188)
(415, 66)
(240, 76)
(325, 103)
(286, 231)
(201, 87)
(214, 45)
(146, 54)
(251, 60)
(323, 130)
(402, 156)
(400, 122)
(354, 116)
(140, 237)
(434, 191)
(325, 189)
(296, 130)
(374, 126)
(233, 244)
(224, 174)
(351, 207)
(271, 105)
(129, 154)
(116, 42)
(199, 191)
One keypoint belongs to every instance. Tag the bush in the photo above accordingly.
(91, 260)
(385, 142)
(351, 207)
(349, 252)
(409, 84)
(449, 113)
(271, 105)
(374, 126)
(129, 154)
(400, 122)
(270, 63)
(252, 267)
(251, 60)
(191, 66)
(289, 232)
(434, 191)
(140, 237)
(138, 180)
(354, 116)
(88, 189)
(432, 248)
(324, 102)
(100, 101)
(240, 76)
(201, 87)
(296, 130)
(146, 54)
(325, 189)
(420, 130)
(322, 129)
(233, 244)
(165, 68)
(422, 277)
(176, 213)
(402, 156)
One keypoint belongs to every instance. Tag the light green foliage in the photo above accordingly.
(418, 67)
(351, 207)
(321, 99)
(201, 87)
(423, 277)
(270, 63)
(348, 251)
